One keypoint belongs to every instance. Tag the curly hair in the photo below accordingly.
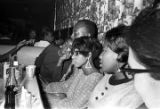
(116, 41)
(87, 45)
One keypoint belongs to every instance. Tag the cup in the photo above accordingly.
(23, 99)
(30, 71)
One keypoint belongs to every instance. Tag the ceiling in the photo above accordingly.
(39, 12)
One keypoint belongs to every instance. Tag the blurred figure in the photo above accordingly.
(47, 63)
(46, 38)
(144, 56)
(32, 36)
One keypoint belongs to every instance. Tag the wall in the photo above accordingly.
(106, 13)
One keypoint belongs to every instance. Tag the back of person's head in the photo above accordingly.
(47, 34)
(116, 41)
(144, 39)
(89, 26)
(59, 40)
(86, 45)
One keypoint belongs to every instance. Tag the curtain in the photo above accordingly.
(105, 13)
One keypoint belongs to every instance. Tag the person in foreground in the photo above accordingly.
(116, 89)
(79, 86)
(144, 56)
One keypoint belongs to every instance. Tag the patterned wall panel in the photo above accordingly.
(106, 13)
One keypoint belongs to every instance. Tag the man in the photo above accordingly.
(51, 64)
(47, 38)
(84, 28)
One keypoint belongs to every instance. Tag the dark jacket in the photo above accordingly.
(47, 64)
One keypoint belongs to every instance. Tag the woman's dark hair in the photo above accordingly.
(59, 40)
(144, 39)
(156, 3)
(87, 44)
(115, 40)
(45, 31)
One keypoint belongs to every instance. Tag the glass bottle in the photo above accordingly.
(11, 83)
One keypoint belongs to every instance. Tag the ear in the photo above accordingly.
(89, 54)
(89, 35)
(122, 57)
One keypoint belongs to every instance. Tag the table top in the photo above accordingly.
(31, 84)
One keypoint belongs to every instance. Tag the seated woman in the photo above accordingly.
(116, 89)
(78, 87)
(144, 56)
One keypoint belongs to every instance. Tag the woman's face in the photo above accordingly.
(78, 59)
(108, 60)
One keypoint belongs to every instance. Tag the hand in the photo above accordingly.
(24, 42)
(70, 68)
(63, 78)
(66, 56)
(21, 43)
(62, 58)
(31, 41)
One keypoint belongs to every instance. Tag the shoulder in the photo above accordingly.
(52, 47)
(131, 99)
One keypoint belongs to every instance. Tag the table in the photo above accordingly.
(32, 86)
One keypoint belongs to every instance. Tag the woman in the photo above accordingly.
(144, 56)
(78, 87)
(116, 89)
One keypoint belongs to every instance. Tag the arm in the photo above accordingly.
(63, 85)
(69, 70)
(13, 51)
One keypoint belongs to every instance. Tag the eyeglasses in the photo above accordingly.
(135, 71)
(77, 52)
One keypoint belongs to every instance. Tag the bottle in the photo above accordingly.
(15, 62)
(18, 70)
(11, 83)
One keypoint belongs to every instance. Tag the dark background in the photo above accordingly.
(33, 12)
(22, 15)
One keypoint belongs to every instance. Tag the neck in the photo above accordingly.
(119, 76)
(90, 70)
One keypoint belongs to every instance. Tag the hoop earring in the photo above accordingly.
(88, 65)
